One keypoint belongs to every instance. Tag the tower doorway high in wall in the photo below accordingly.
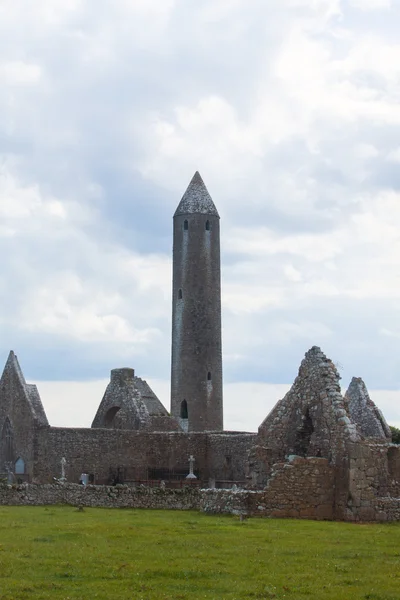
(184, 410)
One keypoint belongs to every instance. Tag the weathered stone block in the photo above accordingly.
(324, 511)
(381, 516)
(308, 513)
(366, 513)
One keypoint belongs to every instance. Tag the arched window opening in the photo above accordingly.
(209, 376)
(19, 466)
(180, 295)
(185, 224)
(110, 416)
(207, 225)
(7, 442)
(303, 436)
(184, 410)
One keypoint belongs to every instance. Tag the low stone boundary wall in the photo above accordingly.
(384, 509)
(119, 496)
(122, 496)
(261, 503)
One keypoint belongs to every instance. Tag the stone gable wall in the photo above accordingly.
(364, 413)
(16, 406)
(311, 420)
(122, 396)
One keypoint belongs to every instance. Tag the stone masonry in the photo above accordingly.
(130, 403)
(364, 413)
(196, 364)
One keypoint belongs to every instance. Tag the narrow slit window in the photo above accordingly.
(180, 296)
(209, 376)
(19, 466)
(185, 224)
(184, 410)
(207, 225)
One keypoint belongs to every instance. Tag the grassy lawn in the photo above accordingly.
(60, 553)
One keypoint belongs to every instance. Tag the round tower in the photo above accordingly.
(196, 373)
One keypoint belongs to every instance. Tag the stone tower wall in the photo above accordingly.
(196, 322)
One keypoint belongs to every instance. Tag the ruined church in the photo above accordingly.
(317, 454)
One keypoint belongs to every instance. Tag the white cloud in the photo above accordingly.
(371, 4)
(79, 296)
(290, 111)
(19, 73)
(394, 155)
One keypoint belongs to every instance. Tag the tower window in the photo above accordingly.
(19, 466)
(180, 295)
(184, 410)
(209, 376)
(185, 224)
(207, 225)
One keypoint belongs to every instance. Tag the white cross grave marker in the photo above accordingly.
(191, 463)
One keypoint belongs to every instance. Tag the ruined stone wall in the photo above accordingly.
(393, 466)
(374, 475)
(302, 487)
(363, 412)
(387, 509)
(99, 450)
(130, 403)
(309, 500)
(311, 420)
(119, 496)
(228, 455)
(20, 411)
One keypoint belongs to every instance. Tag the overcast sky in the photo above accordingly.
(290, 110)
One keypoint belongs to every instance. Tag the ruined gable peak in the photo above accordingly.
(363, 411)
(311, 420)
(12, 366)
(196, 199)
(316, 361)
(358, 387)
(28, 393)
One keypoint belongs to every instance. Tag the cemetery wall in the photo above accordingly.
(120, 496)
(275, 501)
(221, 456)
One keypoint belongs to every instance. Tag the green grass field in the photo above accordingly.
(60, 553)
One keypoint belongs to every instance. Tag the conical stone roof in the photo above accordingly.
(196, 199)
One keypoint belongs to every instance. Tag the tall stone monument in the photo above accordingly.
(196, 373)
